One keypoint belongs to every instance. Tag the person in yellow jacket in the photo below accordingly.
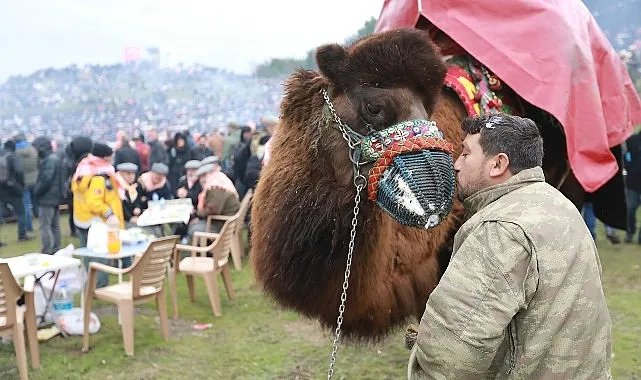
(96, 197)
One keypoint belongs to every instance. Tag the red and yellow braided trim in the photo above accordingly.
(413, 144)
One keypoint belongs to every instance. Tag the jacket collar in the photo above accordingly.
(475, 202)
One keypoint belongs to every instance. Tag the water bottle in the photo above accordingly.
(162, 203)
(154, 199)
(62, 301)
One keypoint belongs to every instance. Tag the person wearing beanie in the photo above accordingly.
(96, 197)
(102, 151)
(12, 187)
(29, 158)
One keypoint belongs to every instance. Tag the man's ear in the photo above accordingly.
(500, 165)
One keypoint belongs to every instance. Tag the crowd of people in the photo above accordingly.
(117, 183)
(155, 114)
(99, 100)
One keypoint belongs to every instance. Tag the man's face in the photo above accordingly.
(156, 178)
(472, 168)
(202, 140)
(191, 173)
(180, 143)
(130, 177)
(203, 179)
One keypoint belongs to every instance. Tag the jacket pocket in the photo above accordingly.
(511, 332)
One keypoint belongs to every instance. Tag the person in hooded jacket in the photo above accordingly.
(179, 154)
(241, 155)
(126, 153)
(48, 191)
(74, 152)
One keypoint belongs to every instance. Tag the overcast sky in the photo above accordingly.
(231, 34)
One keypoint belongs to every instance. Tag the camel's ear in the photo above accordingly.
(331, 59)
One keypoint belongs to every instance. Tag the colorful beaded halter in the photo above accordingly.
(374, 144)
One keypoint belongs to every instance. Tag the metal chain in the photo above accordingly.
(341, 126)
(359, 182)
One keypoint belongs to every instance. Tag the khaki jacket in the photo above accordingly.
(521, 297)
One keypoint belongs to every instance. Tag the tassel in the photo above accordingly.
(411, 334)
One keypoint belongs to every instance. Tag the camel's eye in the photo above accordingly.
(373, 109)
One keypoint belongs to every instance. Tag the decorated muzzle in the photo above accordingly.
(412, 177)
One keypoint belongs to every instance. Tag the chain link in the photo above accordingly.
(359, 182)
(341, 126)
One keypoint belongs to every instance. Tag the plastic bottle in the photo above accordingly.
(154, 199)
(62, 301)
(113, 235)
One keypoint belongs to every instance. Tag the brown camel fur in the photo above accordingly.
(303, 204)
(302, 209)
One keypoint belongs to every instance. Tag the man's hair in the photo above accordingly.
(517, 137)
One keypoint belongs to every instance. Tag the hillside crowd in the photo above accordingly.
(100, 100)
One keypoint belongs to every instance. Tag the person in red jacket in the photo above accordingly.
(143, 151)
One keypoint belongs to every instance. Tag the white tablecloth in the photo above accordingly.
(20, 267)
(173, 211)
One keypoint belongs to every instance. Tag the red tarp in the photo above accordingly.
(555, 56)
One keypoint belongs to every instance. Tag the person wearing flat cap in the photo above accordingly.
(189, 186)
(218, 197)
(129, 192)
(96, 197)
(155, 181)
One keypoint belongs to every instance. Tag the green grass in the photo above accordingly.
(256, 339)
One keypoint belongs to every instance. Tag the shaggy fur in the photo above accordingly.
(302, 209)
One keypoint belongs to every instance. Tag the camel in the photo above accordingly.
(302, 210)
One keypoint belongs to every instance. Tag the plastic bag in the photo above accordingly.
(71, 322)
(97, 237)
(40, 301)
(72, 278)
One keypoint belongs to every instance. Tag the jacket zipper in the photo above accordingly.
(511, 334)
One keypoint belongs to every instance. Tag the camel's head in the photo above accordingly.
(380, 94)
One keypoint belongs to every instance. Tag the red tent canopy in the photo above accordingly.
(555, 56)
